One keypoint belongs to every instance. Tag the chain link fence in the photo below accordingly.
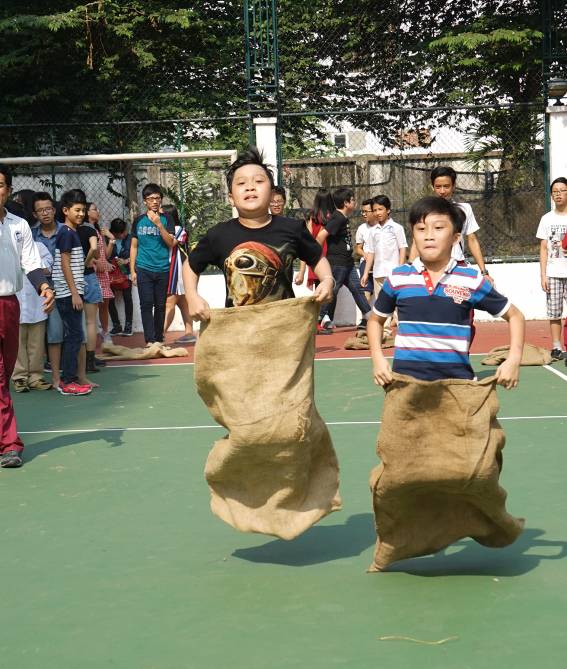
(500, 174)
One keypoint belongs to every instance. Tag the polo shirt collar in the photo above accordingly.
(420, 267)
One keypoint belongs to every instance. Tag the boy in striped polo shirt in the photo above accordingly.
(435, 297)
(69, 283)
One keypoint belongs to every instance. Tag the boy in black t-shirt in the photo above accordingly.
(256, 250)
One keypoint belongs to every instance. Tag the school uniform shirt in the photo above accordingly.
(553, 227)
(257, 262)
(362, 234)
(434, 328)
(68, 242)
(153, 252)
(18, 254)
(31, 304)
(38, 236)
(339, 241)
(385, 242)
(469, 226)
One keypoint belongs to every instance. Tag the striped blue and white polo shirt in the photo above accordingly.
(434, 328)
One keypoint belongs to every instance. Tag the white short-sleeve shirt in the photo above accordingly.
(385, 242)
(363, 233)
(31, 304)
(470, 225)
(553, 227)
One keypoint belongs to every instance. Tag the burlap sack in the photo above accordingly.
(116, 352)
(360, 342)
(276, 471)
(440, 445)
(531, 356)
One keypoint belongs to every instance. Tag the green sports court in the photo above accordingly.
(111, 557)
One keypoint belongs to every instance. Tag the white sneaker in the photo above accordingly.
(107, 339)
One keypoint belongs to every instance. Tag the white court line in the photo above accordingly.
(220, 427)
(556, 371)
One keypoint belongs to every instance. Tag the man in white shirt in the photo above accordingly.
(362, 234)
(17, 253)
(553, 262)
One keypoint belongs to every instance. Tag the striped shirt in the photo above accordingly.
(434, 329)
(67, 241)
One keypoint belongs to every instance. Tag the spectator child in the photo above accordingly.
(121, 255)
(152, 238)
(105, 243)
(361, 239)
(28, 372)
(92, 296)
(277, 203)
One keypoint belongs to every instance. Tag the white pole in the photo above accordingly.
(557, 141)
(266, 141)
(115, 157)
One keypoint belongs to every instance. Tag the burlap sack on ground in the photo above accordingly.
(276, 471)
(360, 342)
(116, 352)
(531, 355)
(440, 444)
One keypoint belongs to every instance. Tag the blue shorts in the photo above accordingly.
(93, 293)
(55, 327)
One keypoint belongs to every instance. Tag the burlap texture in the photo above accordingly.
(440, 444)
(360, 342)
(116, 352)
(276, 471)
(531, 356)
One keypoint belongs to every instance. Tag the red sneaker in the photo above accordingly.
(73, 389)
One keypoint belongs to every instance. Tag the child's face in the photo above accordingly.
(251, 191)
(75, 214)
(5, 190)
(349, 207)
(277, 204)
(153, 202)
(367, 215)
(381, 214)
(444, 187)
(434, 237)
(93, 213)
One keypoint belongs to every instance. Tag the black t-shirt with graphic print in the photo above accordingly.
(339, 241)
(257, 262)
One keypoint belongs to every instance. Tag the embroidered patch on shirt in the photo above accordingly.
(458, 293)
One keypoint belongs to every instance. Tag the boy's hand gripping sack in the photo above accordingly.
(276, 471)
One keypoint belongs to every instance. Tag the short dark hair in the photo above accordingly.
(342, 195)
(117, 226)
(383, 201)
(171, 211)
(6, 172)
(251, 156)
(72, 197)
(437, 205)
(559, 180)
(279, 190)
(443, 171)
(41, 195)
(367, 203)
(151, 189)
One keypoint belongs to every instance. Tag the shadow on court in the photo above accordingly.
(73, 440)
(322, 543)
(521, 557)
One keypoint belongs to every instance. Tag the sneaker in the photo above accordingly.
(186, 339)
(323, 330)
(47, 366)
(557, 354)
(11, 459)
(21, 386)
(73, 389)
(127, 332)
(107, 339)
(40, 384)
(116, 330)
(99, 363)
(361, 325)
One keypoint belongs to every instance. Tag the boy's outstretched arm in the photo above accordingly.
(323, 271)
(381, 372)
(199, 309)
(508, 374)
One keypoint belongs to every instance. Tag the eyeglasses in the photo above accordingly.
(559, 192)
(44, 210)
